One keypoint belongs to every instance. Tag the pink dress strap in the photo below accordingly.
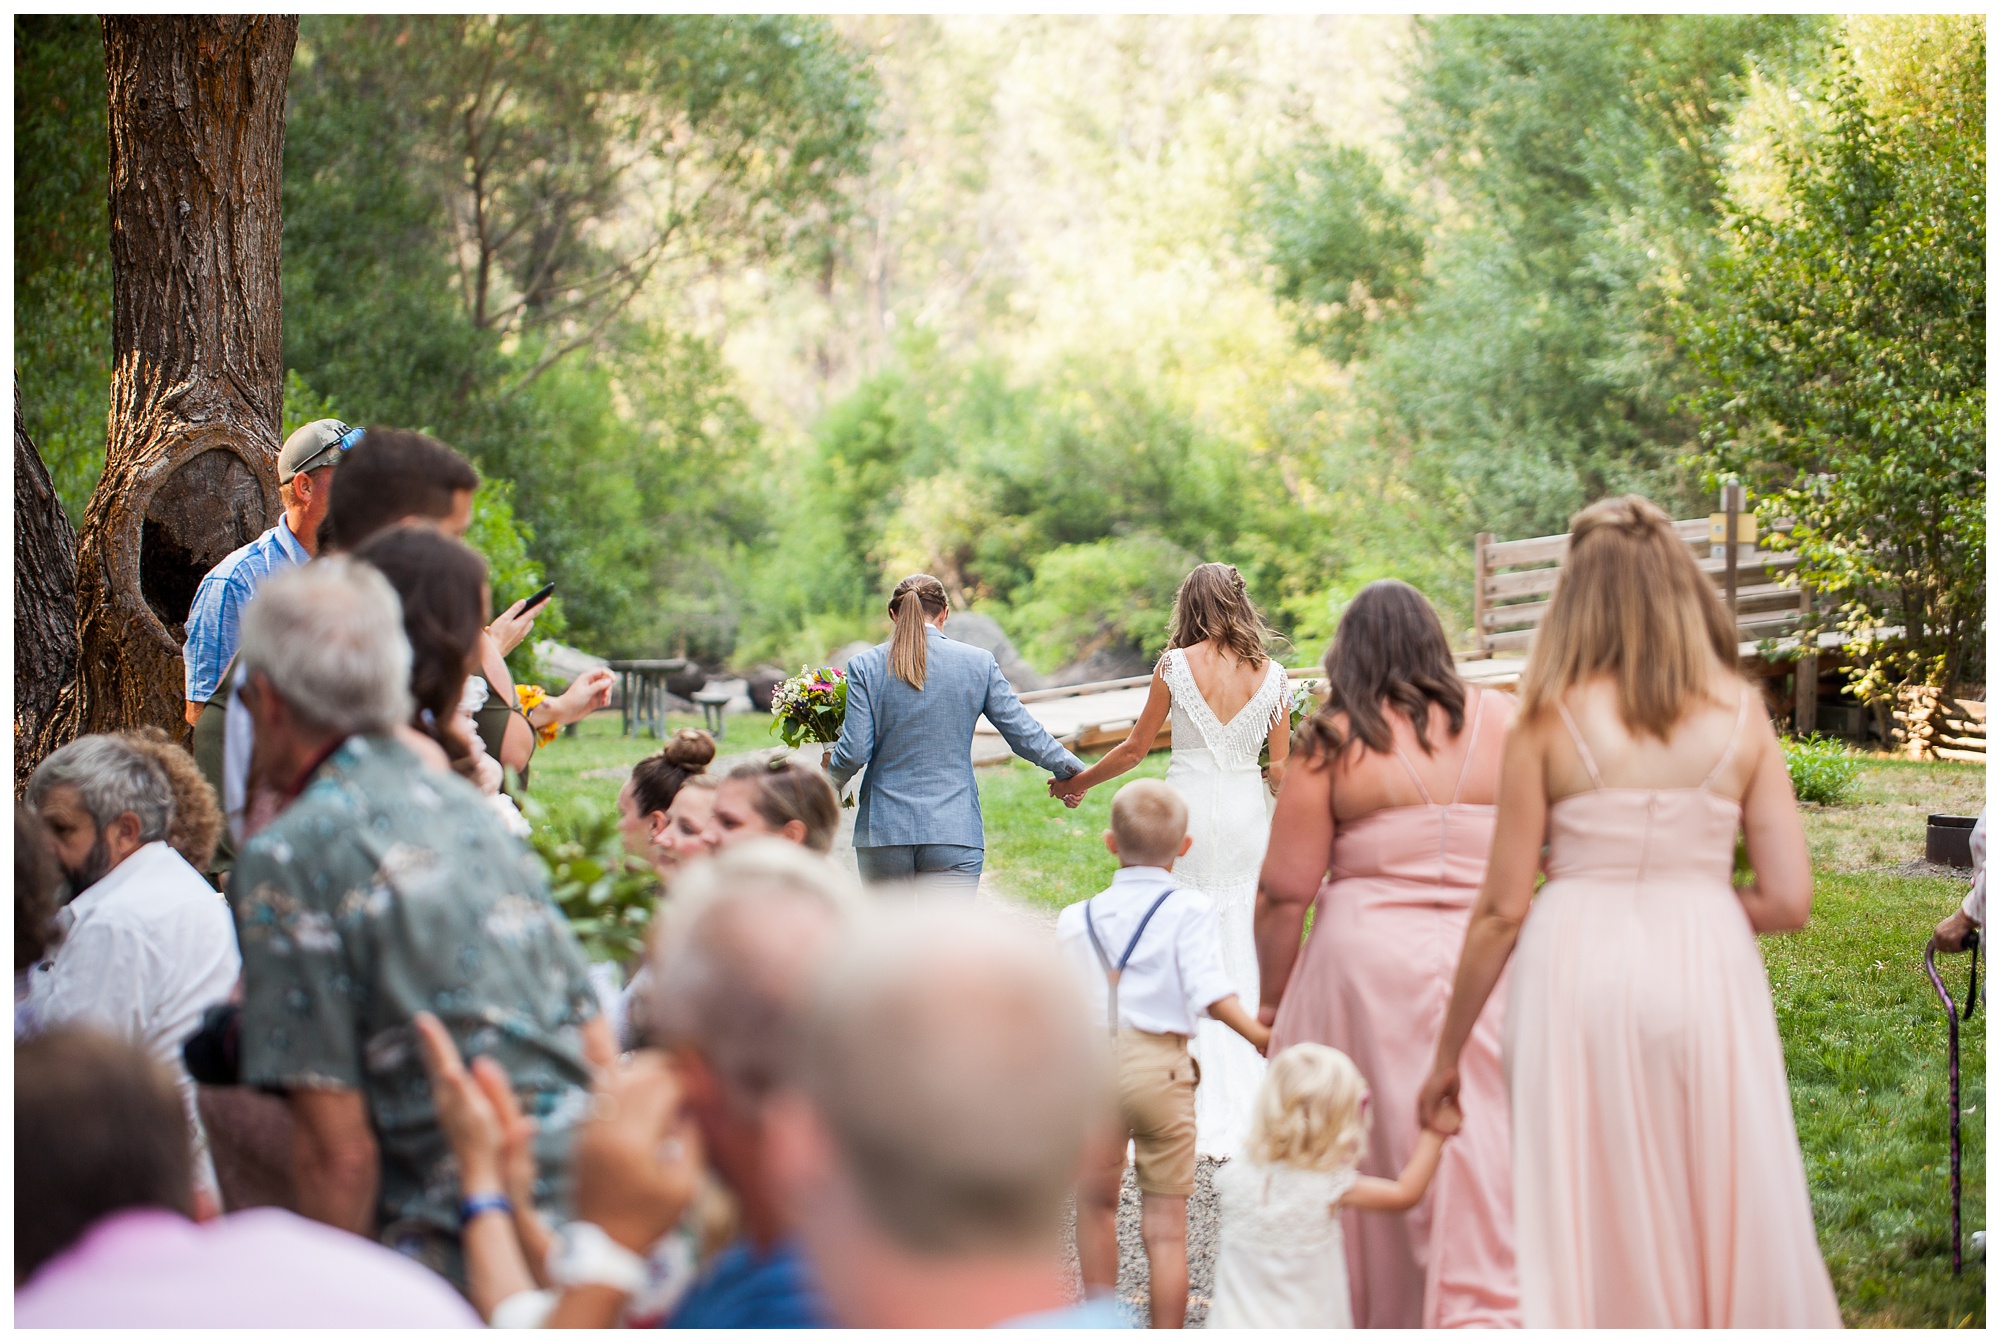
(1471, 745)
(1735, 736)
(1582, 750)
(1415, 778)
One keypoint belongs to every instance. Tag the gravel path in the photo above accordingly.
(1132, 1276)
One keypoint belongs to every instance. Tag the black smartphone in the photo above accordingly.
(540, 597)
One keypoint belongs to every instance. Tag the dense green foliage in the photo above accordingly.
(1070, 508)
(1823, 769)
(607, 894)
(1843, 340)
(479, 214)
(1515, 362)
(62, 246)
(745, 317)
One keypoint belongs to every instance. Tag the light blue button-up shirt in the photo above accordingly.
(218, 605)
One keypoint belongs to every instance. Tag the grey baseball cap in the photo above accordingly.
(315, 445)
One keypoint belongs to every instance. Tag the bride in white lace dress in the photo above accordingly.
(1226, 699)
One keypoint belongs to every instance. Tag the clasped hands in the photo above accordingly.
(1067, 792)
(638, 1157)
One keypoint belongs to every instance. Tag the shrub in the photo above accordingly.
(1822, 768)
(606, 893)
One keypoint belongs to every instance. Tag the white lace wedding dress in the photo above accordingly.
(1214, 767)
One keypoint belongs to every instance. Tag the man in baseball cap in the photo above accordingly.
(305, 485)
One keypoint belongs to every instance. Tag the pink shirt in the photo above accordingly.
(263, 1268)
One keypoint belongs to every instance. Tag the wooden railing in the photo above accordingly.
(1513, 580)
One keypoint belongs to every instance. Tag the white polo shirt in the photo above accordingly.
(144, 951)
(1175, 973)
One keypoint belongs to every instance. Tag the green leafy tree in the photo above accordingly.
(1518, 361)
(486, 223)
(62, 247)
(1843, 343)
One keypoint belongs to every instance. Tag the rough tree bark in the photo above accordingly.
(197, 117)
(44, 604)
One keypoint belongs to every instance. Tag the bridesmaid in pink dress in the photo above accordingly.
(1657, 1175)
(1392, 790)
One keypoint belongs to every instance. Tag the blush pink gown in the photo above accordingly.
(1657, 1171)
(1373, 981)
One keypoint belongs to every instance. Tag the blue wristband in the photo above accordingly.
(482, 1203)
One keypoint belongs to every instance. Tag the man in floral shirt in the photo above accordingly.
(386, 888)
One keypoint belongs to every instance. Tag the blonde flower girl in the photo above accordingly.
(1282, 1263)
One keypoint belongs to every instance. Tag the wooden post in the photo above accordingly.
(1732, 508)
(1480, 573)
(1805, 672)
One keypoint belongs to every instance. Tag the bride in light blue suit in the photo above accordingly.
(912, 706)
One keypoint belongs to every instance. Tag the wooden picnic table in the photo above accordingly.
(643, 692)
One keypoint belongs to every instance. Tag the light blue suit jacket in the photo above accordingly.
(917, 744)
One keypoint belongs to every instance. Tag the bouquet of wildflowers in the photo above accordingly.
(1304, 696)
(811, 706)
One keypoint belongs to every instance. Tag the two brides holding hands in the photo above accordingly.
(1644, 1106)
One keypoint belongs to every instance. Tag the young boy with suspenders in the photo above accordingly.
(1151, 957)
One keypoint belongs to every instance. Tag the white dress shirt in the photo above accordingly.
(1175, 974)
(143, 952)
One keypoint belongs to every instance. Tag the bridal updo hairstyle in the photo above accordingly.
(784, 790)
(1632, 604)
(917, 600)
(1212, 604)
(657, 778)
(1389, 651)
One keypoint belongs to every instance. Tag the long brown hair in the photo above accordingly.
(1630, 602)
(1212, 604)
(1389, 649)
(441, 584)
(917, 600)
(785, 790)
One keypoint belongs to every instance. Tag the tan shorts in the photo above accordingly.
(1156, 1082)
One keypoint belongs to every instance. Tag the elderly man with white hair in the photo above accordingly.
(947, 1086)
(147, 943)
(385, 889)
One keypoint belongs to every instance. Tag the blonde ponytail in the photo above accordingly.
(917, 601)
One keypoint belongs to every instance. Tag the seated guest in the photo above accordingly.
(781, 799)
(147, 942)
(949, 1078)
(102, 1236)
(37, 897)
(197, 823)
(645, 803)
(384, 889)
(738, 948)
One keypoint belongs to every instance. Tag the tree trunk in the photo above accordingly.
(197, 118)
(44, 604)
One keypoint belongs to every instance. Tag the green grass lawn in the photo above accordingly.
(591, 766)
(1864, 1034)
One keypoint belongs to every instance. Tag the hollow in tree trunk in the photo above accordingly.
(197, 119)
(44, 607)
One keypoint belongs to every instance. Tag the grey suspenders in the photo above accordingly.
(1112, 972)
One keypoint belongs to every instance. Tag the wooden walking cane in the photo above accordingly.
(1952, 1017)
